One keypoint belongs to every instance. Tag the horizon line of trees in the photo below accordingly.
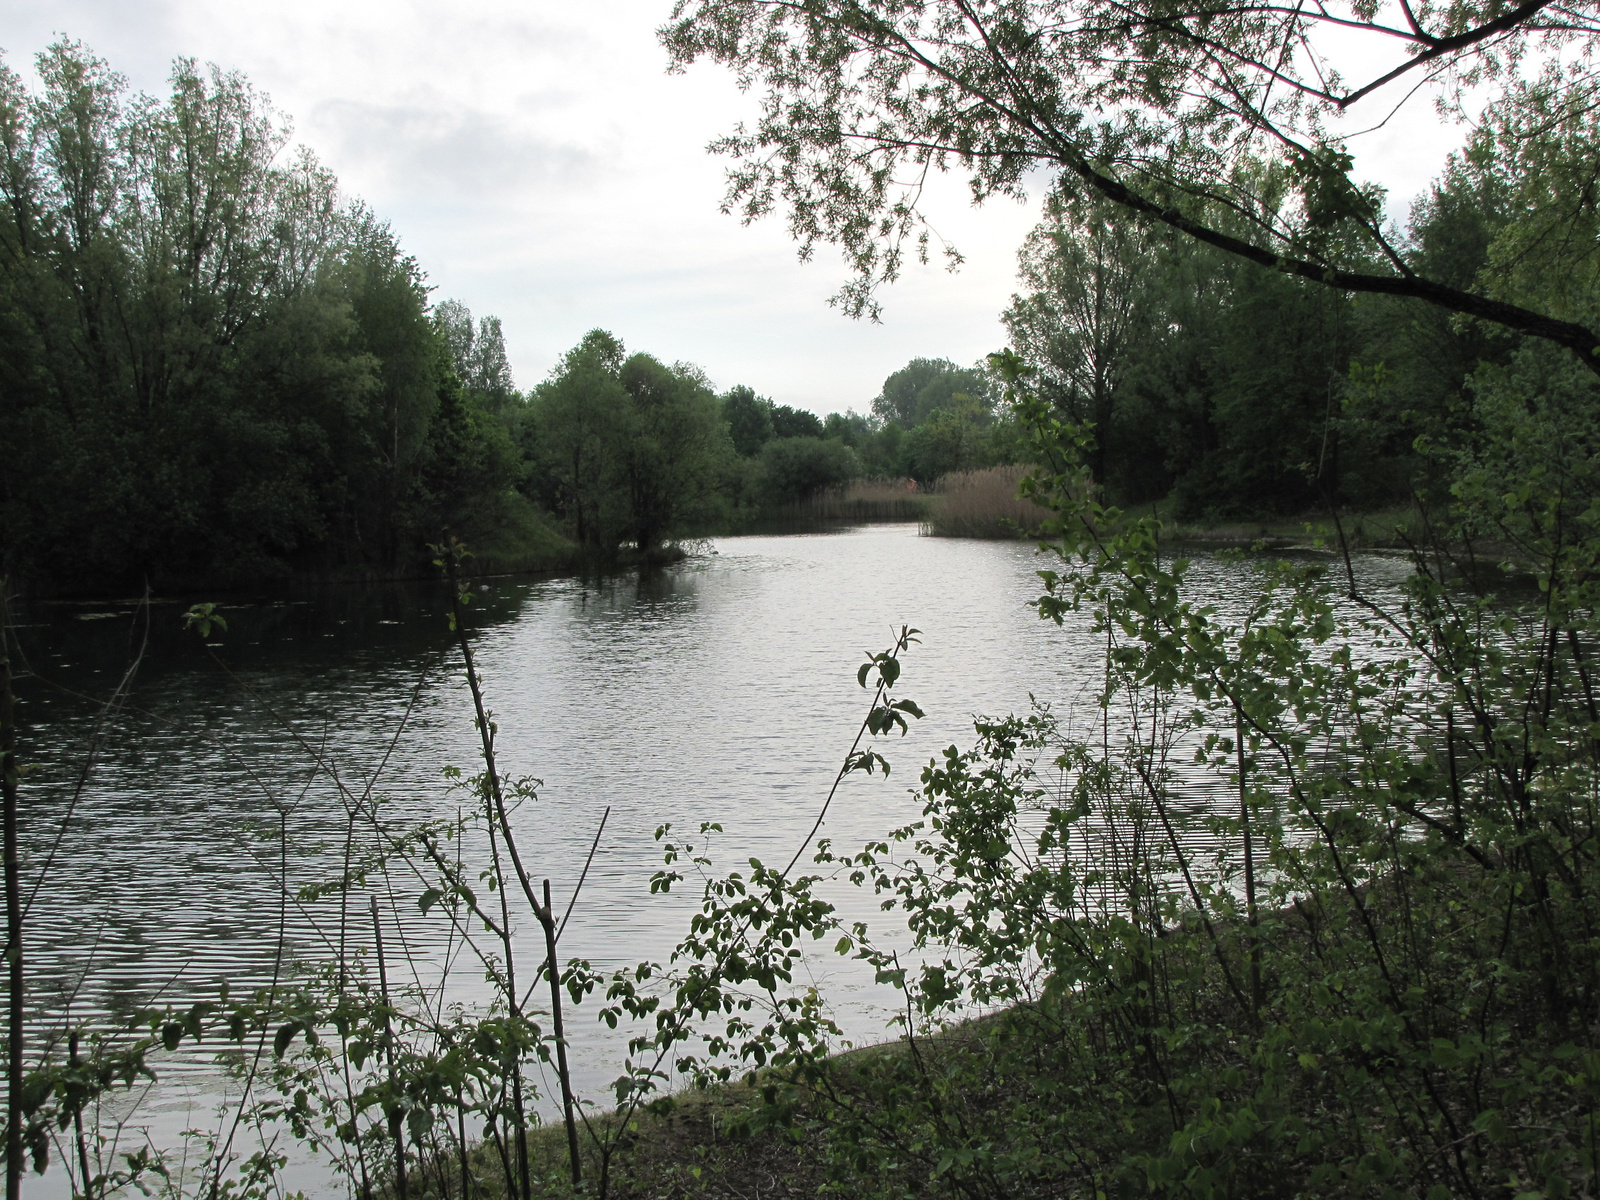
(214, 366)
(217, 369)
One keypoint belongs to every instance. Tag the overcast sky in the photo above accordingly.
(541, 165)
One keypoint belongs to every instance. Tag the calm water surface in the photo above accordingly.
(722, 689)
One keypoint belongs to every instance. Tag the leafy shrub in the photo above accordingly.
(795, 468)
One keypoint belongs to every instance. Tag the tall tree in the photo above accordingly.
(791, 422)
(477, 355)
(1084, 309)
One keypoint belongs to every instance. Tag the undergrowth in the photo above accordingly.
(1308, 909)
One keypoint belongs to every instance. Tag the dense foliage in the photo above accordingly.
(628, 448)
(1307, 907)
(1227, 387)
(1243, 392)
(214, 367)
(217, 370)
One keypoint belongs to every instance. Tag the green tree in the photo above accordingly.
(388, 300)
(797, 468)
(478, 356)
(634, 449)
(851, 428)
(147, 246)
(579, 413)
(950, 439)
(912, 393)
(749, 419)
(674, 447)
(215, 368)
(1084, 312)
(471, 463)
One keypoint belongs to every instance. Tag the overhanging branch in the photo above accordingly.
(1582, 341)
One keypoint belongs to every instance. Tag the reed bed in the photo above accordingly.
(866, 500)
(983, 504)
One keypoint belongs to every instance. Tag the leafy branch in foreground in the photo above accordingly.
(1308, 908)
(1210, 118)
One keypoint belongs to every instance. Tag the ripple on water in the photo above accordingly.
(722, 689)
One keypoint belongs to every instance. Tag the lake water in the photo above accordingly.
(721, 689)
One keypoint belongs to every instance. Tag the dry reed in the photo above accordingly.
(984, 504)
(866, 500)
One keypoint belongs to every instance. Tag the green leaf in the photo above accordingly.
(280, 1043)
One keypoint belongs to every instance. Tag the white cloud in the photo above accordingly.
(449, 153)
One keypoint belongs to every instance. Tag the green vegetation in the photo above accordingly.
(1203, 122)
(219, 372)
(625, 448)
(1308, 905)
(222, 373)
(1239, 393)
(1191, 290)
(1312, 910)
(215, 368)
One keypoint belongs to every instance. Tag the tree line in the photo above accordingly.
(218, 369)
(1239, 392)
(214, 365)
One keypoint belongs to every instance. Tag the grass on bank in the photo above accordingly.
(724, 1143)
(985, 504)
(1309, 1091)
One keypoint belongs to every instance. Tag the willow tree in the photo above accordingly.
(1161, 109)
